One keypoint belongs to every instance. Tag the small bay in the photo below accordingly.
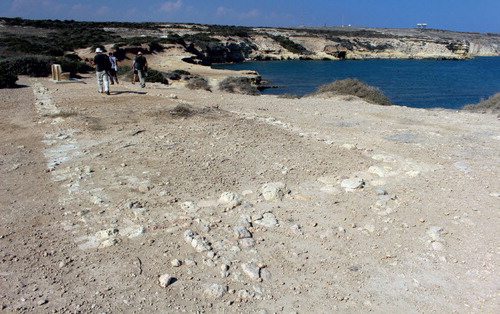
(412, 83)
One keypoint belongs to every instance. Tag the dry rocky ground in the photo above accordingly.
(251, 204)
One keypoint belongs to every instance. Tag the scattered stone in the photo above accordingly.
(241, 232)
(245, 294)
(247, 242)
(108, 243)
(211, 254)
(231, 199)
(274, 191)
(165, 280)
(370, 228)
(437, 246)
(139, 211)
(245, 221)
(189, 207)
(144, 187)
(135, 204)
(133, 231)
(265, 274)
(43, 301)
(296, 229)
(267, 220)
(329, 180)
(176, 263)
(352, 183)
(198, 242)
(216, 291)
(105, 234)
(350, 146)
(330, 189)
(435, 233)
(207, 203)
(96, 200)
(381, 192)
(189, 262)
(209, 262)
(252, 271)
(463, 167)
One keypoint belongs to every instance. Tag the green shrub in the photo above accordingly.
(58, 42)
(198, 83)
(39, 66)
(290, 45)
(228, 31)
(491, 104)
(176, 74)
(124, 70)
(357, 88)
(240, 85)
(156, 76)
(7, 80)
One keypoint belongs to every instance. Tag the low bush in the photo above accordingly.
(228, 31)
(491, 104)
(356, 88)
(181, 110)
(7, 80)
(176, 74)
(39, 66)
(156, 76)
(290, 45)
(289, 96)
(198, 83)
(238, 85)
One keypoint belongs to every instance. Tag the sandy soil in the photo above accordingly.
(252, 204)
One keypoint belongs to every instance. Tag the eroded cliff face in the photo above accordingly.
(347, 43)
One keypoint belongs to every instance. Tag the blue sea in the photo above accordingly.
(412, 83)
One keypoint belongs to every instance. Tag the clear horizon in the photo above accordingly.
(459, 15)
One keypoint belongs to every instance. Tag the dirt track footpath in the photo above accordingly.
(261, 204)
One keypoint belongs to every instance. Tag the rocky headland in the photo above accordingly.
(331, 43)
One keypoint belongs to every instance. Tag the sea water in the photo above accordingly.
(412, 83)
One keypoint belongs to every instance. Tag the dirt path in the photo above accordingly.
(250, 204)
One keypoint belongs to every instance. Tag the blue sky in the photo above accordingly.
(458, 15)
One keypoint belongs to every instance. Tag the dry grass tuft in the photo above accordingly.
(181, 110)
(239, 85)
(354, 87)
(491, 104)
(198, 83)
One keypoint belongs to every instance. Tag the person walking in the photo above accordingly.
(101, 61)
(114, 69)
(141, 66)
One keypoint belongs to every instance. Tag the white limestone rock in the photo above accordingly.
(274, 191)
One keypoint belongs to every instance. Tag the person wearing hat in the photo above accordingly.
(101, 61)
(141, 68)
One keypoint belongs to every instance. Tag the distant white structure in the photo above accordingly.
(422, 25)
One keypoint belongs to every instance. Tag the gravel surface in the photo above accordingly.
(250, 204)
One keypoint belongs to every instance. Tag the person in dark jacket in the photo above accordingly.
(101, 61)
(141, 66)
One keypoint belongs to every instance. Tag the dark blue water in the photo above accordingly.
(412, 83)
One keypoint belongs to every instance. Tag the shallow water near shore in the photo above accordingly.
(412, 83)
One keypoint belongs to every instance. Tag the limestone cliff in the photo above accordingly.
(339, 43)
